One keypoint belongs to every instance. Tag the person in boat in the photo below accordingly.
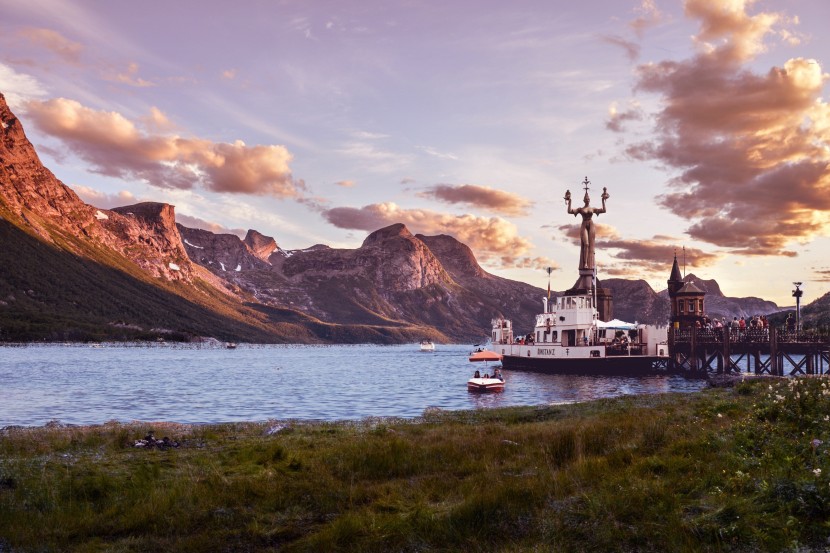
(497, 374)
(486, 375)
(477, 375)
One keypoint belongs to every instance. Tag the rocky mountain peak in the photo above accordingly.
(457, 258)
(711, 287)
(158, 214)
(260, 245)
(398, 230)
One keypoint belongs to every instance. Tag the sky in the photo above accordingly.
(314, 121)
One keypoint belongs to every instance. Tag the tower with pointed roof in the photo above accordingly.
(686, 299)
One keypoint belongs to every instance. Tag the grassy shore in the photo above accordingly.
(739, 469)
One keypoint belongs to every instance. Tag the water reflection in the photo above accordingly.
(81, 385)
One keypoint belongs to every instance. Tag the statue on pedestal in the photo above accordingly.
(587, 231)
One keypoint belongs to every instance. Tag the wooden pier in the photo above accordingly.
(776, 352)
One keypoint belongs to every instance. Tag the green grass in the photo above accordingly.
(743, 469)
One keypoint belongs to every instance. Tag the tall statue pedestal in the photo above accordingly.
(585, 286)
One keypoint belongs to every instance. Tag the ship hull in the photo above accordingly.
(606, 366)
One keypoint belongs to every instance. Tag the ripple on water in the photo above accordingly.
(82, 385)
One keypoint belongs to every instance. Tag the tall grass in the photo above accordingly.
(722, 470)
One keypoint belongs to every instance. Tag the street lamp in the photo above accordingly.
(797, 293)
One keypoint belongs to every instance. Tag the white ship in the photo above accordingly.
(568, 338)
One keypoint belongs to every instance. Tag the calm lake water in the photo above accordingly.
(78, 384)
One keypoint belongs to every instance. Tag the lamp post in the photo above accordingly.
(797, 293)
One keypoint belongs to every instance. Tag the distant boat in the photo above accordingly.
(486, 383)
(427, 345)
(230, 345)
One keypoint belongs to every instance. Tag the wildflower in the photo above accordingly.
(816, 442)
(720, 416)
(817, 472)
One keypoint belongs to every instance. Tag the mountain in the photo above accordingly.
(636, 301)
(71, 271)
(393, 278)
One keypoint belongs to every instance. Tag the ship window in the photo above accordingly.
(538, 336)
(594, 353)
(554, 336)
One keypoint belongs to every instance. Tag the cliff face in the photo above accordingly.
(37, 201)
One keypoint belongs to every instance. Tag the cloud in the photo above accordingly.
(130, 77)
(631, 49)
(752, 150)
(435, 153)
(67, 50)
(646, 257)
(484, 197)
(821, 275)
(116, 147)
(103, 200)
(216, 228)
(616, 119)
(229, 74)
(345, 183)
(19, 88)
(494, 239)
(648, 16)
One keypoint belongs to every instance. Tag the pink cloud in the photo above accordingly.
(631, 49)
(752, 150)
(478, 196)
(67, 50)
(195, 222)
(103, 200)
(117, 147)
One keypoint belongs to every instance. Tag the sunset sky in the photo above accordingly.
(320, 121)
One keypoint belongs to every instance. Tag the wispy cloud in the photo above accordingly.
(19, 88)
(67, 50)
(102, 199)
(195, 222)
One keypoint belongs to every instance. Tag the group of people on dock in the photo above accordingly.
(758, 322)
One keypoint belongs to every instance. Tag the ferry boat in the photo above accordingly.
(569, 335)
(569, 338)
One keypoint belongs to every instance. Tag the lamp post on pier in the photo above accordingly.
(797, 293)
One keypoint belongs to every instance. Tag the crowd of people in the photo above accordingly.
(758, 322)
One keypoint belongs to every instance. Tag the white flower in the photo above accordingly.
(817, 472)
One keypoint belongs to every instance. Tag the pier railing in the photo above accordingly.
(752, 336)
(775, 351)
